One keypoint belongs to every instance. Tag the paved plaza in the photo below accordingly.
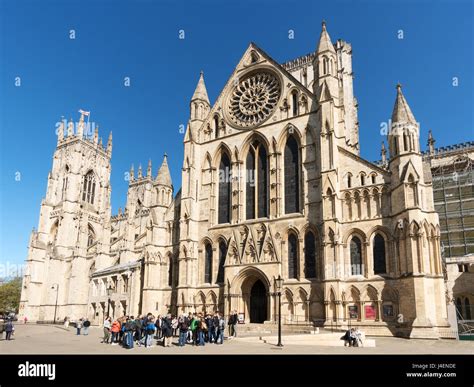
(43, 339)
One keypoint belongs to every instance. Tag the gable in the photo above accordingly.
(255, 70)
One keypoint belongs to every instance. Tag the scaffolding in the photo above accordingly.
(453, 190)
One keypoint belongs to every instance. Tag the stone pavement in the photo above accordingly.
(44, 339)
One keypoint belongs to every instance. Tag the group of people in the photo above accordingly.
(193, 328)
(352, 338)
(82, 324)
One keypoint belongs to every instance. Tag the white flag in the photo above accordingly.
(84, 112)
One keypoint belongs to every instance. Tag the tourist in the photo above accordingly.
(194, 326)
(9, 329)
(139, 327)
(201, 330)
(122, 320)
(174, 325)
(183, 325)
(352, 338)
(220, 329)
(66, 322)
(86, 325)
(347, 338)
(115, 330)
(158, 327)
(214, 328)
(166, 330)
(358, 338)
(149, 332)
(233, 319)
(107, 327)
(130, 327)
(189, 337)
(210, 328)
(25, 319)
(79, 327)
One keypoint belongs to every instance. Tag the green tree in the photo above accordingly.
(10, 293)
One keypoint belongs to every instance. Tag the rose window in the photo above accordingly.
(254, 99)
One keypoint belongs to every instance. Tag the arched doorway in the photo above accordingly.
(258, 302)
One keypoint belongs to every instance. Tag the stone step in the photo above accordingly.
(326, 339)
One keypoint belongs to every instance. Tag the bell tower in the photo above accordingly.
(73, 213)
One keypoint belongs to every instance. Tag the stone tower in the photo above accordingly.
(417, 252)
(74, 214)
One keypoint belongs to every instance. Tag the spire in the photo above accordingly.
(401, 111)
(148, 170)
(132, 173)
(431, 143)
(60, 130)
(70, 128)
(164, 177)
(140, 171)
(109, 143)
(201, 92)
(80, 126)
(325, 41)
(383, 153)
(96, 134)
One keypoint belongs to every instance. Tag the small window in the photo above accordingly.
(294, 103)
(373, 179)
(216, 125)
(349, 180)
(362, 179)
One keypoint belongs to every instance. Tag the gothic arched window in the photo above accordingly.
(356, 256)
(208, 264)
(405, 141)
(170, 271)
(216, 125)
(411, 192)
(257, 181)
(294, 103)
(225, 197)
(379, 255)
(65, 180)
(310, 255)
(292, 193)
(90, 236)
(222, 254)
(292, 256)
(88, 187)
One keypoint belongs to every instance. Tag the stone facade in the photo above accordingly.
(272, 185)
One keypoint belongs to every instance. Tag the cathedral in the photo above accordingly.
(273, 185)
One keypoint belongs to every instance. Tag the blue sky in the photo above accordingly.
(140, 40)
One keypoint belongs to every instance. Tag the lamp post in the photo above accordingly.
(278, 286)
(56, 305)
(110, 289)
